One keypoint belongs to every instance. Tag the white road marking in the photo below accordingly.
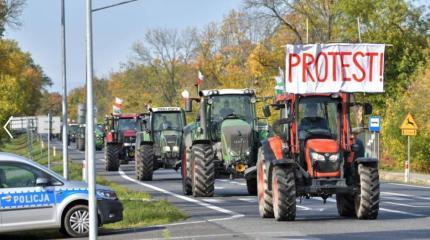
(185, 198)
(251, 200)
(212, 200)
(407, 205)
(401, 212)
(303, 207)
(217, 187)
(409, 185)
(406, 195)
(395, 198)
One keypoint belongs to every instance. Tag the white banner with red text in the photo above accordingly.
(333, 68)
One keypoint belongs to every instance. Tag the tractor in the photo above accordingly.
(120, 137)
(80, 137)
(222, 142)
(316, 153)
(159, 144)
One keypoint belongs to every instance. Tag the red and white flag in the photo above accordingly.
(117, 105)
(199, 79)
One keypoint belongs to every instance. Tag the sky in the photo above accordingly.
(114, 31)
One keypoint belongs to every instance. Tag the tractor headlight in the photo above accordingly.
(175, 149)
(166, 149)
(334, 157)
(317, 157)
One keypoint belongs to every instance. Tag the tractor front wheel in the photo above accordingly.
(367, 197)
(265, 201)
(112, 157)
(144, 163)
(345, 204)
(203, 170)
(284, 193)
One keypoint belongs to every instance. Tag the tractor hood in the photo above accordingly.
(236, 139)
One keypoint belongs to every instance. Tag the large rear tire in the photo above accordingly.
(265, 201)
(367, 197)
(186, 173)
(345, 204)
(144, 162)
(203, 170)
(284, 193)
(112, 157)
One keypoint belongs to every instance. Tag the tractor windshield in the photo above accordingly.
(318, 116)
(167, 121)
(240, 106)
(124, 124)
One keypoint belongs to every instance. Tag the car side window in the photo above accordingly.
(19, 175)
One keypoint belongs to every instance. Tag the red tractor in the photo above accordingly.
(316, 153)
(120, 139)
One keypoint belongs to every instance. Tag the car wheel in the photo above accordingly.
(76, 221)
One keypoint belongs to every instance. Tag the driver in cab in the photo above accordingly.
(226, 110)
(311, 119)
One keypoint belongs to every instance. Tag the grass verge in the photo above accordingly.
(139, 208)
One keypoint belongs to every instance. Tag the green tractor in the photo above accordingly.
(158, 145)
(80, 137)
(223, 141)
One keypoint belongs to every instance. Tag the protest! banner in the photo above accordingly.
(332, 68)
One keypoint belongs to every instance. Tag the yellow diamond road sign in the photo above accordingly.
(409, 126)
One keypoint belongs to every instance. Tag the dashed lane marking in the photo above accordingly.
(406, 195)
(407, 205)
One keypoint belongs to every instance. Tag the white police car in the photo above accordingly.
(34, 197)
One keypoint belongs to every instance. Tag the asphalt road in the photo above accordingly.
(232, 214)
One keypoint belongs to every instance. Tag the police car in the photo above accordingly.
(34, 197)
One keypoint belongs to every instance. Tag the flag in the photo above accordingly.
(117, 105)
(280, 83)
(199, 79)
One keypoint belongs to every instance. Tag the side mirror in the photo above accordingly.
(188, 105)
(266, 111)
(42, 182)
(368, 109)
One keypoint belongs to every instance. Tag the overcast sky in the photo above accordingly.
(114, 31)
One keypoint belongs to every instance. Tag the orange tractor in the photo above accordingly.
(316, 153)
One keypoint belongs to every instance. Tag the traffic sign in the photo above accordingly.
(409, 123)
(375, 123)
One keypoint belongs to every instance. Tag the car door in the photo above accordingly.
(23, 204)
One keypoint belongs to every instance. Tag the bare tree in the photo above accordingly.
(167, 51)
(10, 11)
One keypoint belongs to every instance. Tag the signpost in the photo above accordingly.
(409, 128)
(375, 128)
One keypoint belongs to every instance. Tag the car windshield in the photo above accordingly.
(318, 115)
(124, 124)
(240, 106)
(167, 121)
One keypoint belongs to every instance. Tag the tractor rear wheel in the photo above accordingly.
(345, 204)
(367, 197)
(186, 173)
(251, 185)
(112, 157)
(284, 193)
(265, 205)
(144, 162)
(203, 170)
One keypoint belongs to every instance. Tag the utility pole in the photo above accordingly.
(90, 127)
(64, 103)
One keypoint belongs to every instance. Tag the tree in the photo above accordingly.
(10, 11)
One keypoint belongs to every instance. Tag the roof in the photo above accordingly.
(126, 115)
(211, 92)
(166, 109)
(4, 156)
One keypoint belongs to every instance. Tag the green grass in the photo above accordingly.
(139, 208)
